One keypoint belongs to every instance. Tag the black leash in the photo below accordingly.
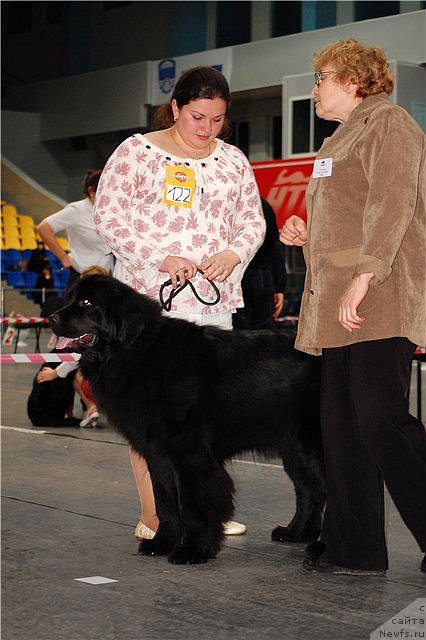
(167, 304)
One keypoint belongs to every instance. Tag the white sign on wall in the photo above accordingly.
(165, 73)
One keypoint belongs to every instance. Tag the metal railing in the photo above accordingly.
(45, 293)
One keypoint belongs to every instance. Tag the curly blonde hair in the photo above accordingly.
(356, 62)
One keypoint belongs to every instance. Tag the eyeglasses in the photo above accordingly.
(320, 75)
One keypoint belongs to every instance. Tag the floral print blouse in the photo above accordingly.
(139, 215)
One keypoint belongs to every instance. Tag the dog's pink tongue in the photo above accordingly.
(63, 342)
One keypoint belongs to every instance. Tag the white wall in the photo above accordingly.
(264, 63)
(113, 99)
(21, 143)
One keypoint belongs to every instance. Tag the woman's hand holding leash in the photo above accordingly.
(178, 268)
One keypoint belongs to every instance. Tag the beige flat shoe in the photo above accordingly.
(90, 421)
(232, 528)
(142, 532)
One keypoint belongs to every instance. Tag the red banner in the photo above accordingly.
(283, 184)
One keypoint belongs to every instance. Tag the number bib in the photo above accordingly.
(180, 186)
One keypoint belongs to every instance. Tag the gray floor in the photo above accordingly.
(69, 507)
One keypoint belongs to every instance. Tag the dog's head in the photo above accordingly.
(102, 311)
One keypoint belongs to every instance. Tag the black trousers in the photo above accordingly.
(258, 296)
(370, 438)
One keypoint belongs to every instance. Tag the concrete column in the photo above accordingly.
(345, 12)
(405, 6)
(211, 18)
(261, 18)
(318, 15)
(260, 138)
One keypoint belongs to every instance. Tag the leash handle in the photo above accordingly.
(167, 304)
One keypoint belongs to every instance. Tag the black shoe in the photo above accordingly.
(315, 565)
(313, 551)
(423, 564)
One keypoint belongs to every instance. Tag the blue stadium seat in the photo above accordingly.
(64, 275)
(4, 268)
(26, 253)
(31, 277)
(54, 261)
(13, 257)
(16, 279)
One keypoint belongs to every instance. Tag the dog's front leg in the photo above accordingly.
(166, 502)
(205, 493)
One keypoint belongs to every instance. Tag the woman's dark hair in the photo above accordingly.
(91, 179)
(195, 84)
(201, 82)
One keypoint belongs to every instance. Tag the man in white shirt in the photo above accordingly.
(86, 246)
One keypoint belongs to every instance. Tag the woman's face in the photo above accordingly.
(334, 101)
(200, 121)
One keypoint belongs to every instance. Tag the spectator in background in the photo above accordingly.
(86, 247)
(263, 282)
(38, 259)
(81, 386)
(47, 374)
(44, 281)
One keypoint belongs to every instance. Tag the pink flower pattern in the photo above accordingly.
(141, 229)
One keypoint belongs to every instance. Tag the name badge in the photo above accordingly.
(180, 186)
(323, 168)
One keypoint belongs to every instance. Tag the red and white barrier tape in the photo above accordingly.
(21, 319)
(73, 357)
(39, 357)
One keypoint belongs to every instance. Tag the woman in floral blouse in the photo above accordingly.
(175, 201)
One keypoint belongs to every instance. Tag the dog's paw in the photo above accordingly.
(285, 534)
(186, 555)
(154, 547)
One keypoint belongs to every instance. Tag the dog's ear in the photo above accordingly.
(129, 327)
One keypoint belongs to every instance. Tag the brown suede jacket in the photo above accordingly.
(368, 216)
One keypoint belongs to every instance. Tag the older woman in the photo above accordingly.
(364, 306)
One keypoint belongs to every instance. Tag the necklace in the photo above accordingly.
(172, 131)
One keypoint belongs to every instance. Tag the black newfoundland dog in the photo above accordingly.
(188, 399)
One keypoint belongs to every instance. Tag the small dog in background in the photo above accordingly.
(50, 401)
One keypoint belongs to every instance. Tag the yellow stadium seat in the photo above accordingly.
(29, 243)
(12, 243)
(25, 222)
(9, 211)
(64, 243)
(10, 223)
(28, 234)
(11, 232)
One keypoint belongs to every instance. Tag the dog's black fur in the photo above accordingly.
(189, 398)
(49, 401)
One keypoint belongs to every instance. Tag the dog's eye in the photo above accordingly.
(85, 303)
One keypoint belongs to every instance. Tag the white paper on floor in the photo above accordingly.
(96, 580)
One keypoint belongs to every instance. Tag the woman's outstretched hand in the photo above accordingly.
(220, 266)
